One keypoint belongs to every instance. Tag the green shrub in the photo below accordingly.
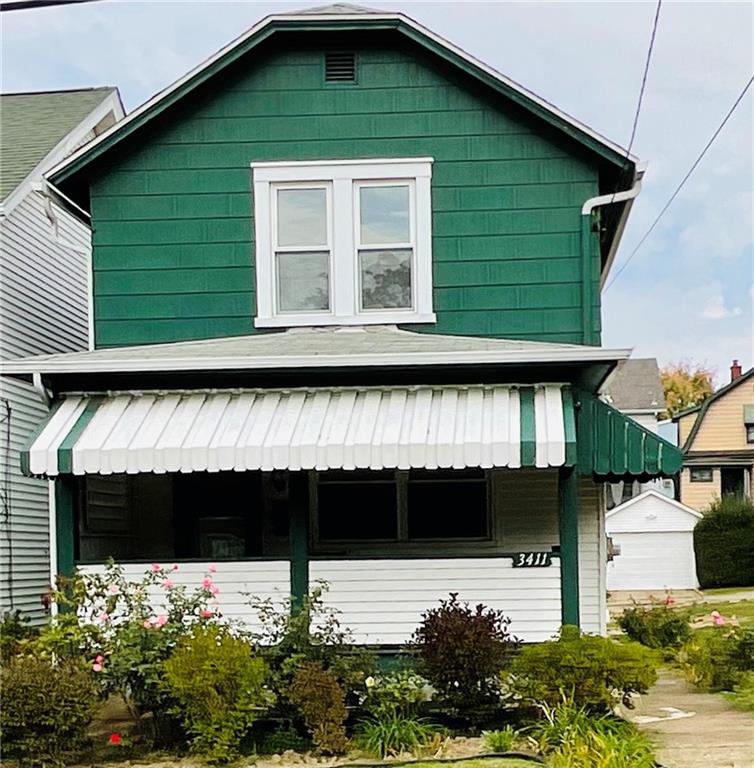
(742, 696)
(313, 632)
(461, 650)
(571, 737)
(15, 634)
(656, 627)
(400, 692)
(499, 741)
(394, 734)
(594, 672)
(46, 710)
(718, 658)
(727, 527)
(218, 685)
(320, 699)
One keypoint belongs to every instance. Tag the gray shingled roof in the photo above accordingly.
(635, 385)
(31, 124)
(330, 10)
(312, 347)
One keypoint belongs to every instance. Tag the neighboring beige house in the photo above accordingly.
(717, 439)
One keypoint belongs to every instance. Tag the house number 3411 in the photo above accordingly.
(532, 560)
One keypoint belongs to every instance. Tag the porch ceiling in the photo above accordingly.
(334, 428)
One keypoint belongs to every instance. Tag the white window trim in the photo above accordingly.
(344, 176)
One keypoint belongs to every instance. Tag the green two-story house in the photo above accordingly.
(345, 293)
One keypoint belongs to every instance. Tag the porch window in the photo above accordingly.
(412, 507)
(154, 517)
(343, 242)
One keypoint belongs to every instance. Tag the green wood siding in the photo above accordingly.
(173, 224)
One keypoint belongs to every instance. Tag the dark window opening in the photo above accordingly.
(400, 506)
(340, 67)
(732, 482)
(211, 516)
(700, 474)
(357, 507)
(447, 505)
(750, 433)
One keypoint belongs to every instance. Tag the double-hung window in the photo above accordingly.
(343, 242)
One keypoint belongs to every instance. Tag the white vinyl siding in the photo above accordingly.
(382, 600)
(24, 527)
(43, 309)
(592, 559)
(262, 579)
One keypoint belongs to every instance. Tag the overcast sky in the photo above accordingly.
(688, 293)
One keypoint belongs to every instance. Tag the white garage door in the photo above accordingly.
(653, 561)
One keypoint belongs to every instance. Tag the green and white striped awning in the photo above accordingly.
(335, 428)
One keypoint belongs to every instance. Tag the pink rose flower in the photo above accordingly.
(168, 583)
(100, 659)
(97, 667)
(206, 582)
(103, 616)
(212, 568)
(214, 589)
(113, 589)
(155, 568)
(161, 621)
(205, 614)
(147, 624)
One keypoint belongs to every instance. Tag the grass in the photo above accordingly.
(743, 610)
(722, 591)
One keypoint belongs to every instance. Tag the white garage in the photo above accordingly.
(655, 535)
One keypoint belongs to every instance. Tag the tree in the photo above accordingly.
(686, 385)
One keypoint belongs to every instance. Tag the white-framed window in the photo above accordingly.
(343, 242)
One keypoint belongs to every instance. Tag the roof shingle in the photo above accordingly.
(31, 124)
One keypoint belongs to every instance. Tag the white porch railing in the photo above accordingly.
(382, 600)
(261, 578)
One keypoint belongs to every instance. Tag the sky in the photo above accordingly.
(687, 294)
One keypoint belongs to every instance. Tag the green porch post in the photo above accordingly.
(65, 525)
(568, 493)
(299, 535)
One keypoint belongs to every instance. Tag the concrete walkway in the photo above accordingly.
(694, 729)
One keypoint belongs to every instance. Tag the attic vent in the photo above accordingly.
(340, 67)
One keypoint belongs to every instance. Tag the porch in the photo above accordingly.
(395, 496)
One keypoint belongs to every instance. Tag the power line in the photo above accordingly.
(626, 161)
(25, 5)
(683, 181)
(644, 79)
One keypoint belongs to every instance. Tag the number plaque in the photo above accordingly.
(532, 559)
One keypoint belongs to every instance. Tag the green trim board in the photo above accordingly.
(568, 524)
(65, 526)
(612, 446)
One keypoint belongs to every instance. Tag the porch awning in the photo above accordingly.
(336, 428)
(615, 447)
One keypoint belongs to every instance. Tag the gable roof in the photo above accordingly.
(635, 385)
(32, 124)
(343, 17)
(652, 493)
(704, 407)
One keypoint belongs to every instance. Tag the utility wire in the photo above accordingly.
(644, 78)
(683, 181)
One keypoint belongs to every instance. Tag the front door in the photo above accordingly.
(732, 482)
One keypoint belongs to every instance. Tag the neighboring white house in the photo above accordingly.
(655, 535)
(44, 305)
